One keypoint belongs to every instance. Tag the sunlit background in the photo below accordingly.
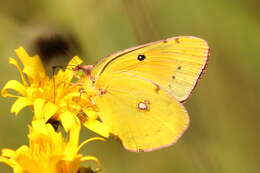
(224, 136)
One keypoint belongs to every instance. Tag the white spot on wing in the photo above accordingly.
(143, 105)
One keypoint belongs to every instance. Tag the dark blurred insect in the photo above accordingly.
(55, 49)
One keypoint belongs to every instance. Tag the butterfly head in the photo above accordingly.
(85, 68)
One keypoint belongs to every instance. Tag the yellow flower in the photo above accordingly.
(48, 151)
(55, 97)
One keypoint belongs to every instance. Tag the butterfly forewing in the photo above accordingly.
(175, 64)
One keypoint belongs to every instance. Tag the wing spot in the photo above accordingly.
(173, 77)
(179, 68)
(157, 89)
(143, 105)
(102, 91)
(140, 150)
(141, 57)
(165, 41)
(177, 40)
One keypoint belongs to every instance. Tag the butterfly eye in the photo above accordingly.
(141, 57)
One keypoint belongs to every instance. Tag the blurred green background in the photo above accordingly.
(224, 135)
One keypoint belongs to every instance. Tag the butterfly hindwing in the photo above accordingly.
(139, 112)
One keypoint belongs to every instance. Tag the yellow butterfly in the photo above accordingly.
(142, 90)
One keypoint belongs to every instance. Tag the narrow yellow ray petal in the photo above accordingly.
(75, 61)
(33, 66)
(8, 153)
(92, 158)
(13, 85)
(68, 120)
(74, 137)
(8, 162)
(38, 106)
(15, 63)
(49, 109)
(19, 104)
(90, 140)
(98, 127)
(68, 74)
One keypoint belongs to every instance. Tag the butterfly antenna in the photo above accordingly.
(53, 76)
(53, 79)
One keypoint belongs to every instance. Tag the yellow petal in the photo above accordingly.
(40, 127)
(33, 66)
(15, 63)
(68, 74)
(38, 106)
(8, 157)
(90, 140)
(22, 149)
(19, 104)
(92, 158)
(33, 75)
(8, 162)
(75, 61)
(93, 124)
(72, 146)
(8, 153)
(49, 110)
(92, 115)
(98, 127)
(67, 120)
(13, 85)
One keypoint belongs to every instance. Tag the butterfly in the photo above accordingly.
(142, 90)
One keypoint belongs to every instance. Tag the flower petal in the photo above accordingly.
(75, 61)
(33, 66)
(38, 107)
(90, 140)
(40, 127)
(8, 153)
(10, 163)
(92, 158)
(68, 74)
(15, 63)
(68, 120)
(13, 85)
(98, 127)
(49, 110)
(72, 145)
(19, 104)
